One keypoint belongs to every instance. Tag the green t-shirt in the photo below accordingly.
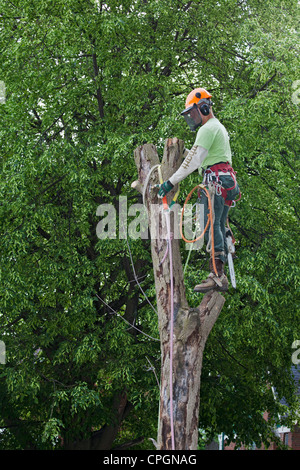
(214, 138)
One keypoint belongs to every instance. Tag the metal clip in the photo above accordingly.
(218, 189)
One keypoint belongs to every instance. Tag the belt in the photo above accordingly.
(217, 164)
(219, 173)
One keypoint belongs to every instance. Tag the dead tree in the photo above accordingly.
(191, 325)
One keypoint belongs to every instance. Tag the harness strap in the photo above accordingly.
(217, 170)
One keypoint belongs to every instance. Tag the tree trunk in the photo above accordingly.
(191, 325)
(104, 438)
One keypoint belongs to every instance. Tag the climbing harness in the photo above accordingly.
(212, 175)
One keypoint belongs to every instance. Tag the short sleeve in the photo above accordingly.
(204, 137)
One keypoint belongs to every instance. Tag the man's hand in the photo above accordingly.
(165, 188)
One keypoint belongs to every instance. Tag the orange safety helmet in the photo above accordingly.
(195, 96)
(191, 113)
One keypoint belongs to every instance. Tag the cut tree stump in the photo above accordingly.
(191, 325)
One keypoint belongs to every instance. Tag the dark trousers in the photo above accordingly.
(221, 209)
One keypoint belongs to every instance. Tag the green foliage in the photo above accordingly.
(87, 82)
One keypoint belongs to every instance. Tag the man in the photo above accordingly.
(211, 155)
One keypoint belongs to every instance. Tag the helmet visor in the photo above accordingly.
(192, 117)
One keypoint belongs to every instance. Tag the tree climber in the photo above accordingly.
(211, 155)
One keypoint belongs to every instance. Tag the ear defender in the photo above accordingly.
(205, 109)
(205, 106)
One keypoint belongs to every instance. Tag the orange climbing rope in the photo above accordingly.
(209, 222)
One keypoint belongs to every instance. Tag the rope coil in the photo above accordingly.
(210, 220)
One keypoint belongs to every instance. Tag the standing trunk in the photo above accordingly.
(191, 326)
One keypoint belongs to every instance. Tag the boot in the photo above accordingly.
(213, 282)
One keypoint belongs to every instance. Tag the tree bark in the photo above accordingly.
(191, 325)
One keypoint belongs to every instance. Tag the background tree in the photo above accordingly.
(86, 82)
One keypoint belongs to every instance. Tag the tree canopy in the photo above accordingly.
(86, 83)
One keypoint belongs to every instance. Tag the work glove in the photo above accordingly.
(165, 188)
